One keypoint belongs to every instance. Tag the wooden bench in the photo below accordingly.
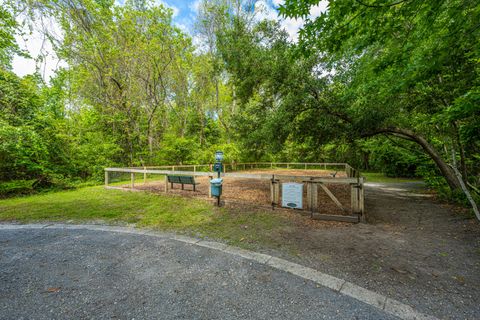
(183, 180)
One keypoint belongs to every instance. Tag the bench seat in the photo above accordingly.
(183, 180)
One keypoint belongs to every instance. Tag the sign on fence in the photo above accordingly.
(292, 195)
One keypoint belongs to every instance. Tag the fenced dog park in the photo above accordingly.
(325, 191)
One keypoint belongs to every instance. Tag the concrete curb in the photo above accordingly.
(344, 287)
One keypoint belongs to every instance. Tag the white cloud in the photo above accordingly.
(182, 27)
(277, 3)
(195, 6)
(199, 44)
(175, 10)
(292, 26)
(264, 11)
(318, 9)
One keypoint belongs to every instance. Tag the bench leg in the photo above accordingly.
(193, 187)
(182, 186)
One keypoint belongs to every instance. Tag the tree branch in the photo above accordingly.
(381, 6)
(446, 171)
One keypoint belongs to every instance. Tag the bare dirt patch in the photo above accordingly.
(414, 249)
(253, 192)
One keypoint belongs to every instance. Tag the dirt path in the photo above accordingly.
(414, 249)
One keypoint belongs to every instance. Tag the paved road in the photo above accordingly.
(77, 274)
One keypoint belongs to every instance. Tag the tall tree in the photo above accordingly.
(403, 68)
(8, 45)
(128, 62)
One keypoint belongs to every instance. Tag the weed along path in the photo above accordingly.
(68, 271)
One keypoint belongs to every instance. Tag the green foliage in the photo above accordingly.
(8, 45)
(90, 149)
(138, 92)
(16, 187)
(381, 178)
(393, 157)
(23, 153)
(412, 65)
(232, 153)
(133, 94)
(177, 150)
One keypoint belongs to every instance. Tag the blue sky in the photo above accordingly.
(185, 12)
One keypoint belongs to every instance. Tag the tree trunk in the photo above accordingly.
(461, 149)
(446, 171)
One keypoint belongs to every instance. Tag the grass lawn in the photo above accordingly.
(380, 177)
(143, 209)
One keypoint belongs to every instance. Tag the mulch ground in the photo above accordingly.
(253, 192)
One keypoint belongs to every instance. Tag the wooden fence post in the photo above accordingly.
(209, 188)
(363, 217)
(106, 178)
(276, 192)
(132, 180)
(309, 197)
(166, 184)
(354, 198)
(145, 176)
(272, 192)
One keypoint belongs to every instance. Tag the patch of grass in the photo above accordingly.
(97, 203)
(143, 209)
(380, 177)
(125, 179)
(247, 229)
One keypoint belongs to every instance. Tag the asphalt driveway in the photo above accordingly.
(79, 274)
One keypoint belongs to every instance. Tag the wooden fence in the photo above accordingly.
(313, 183)
(229, 167)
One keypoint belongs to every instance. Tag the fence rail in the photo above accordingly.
(228, 167)
(313, 183)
